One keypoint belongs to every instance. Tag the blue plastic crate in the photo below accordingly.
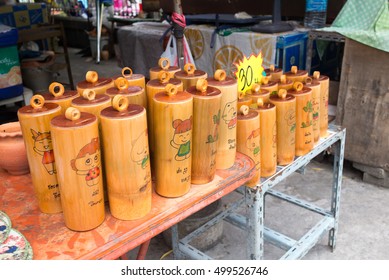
(291, 50)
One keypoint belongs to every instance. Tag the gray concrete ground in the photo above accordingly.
(363, 227)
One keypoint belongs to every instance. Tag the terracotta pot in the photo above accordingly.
(13, 157)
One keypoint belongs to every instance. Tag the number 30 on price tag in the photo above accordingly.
(249, 72)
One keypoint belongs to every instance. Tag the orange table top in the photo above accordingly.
(51, 239)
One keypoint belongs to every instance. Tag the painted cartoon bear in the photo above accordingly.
(229, 114)
(182, 137)
(140, 150)
(88, 162)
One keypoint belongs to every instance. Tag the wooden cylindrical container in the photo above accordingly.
(137, 80)
(296, 75)
(226, 150)
(163, 65)
(205, 132)
(152, 88)
(76, 146)
(315, 86)
(257, 92)
(304, 109)
(274, 73)
(190, 75)
(58, 95)
(134, 94)
(284, 83)
(243, 99)
(35, 123)
(324, 93)
(268, 85)
(127, 162)
(286, 126)
(248, 139)
(90, 102)
(268, 125)
(173, 121)
(93, 81)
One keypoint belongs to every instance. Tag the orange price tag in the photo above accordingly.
(249, 72)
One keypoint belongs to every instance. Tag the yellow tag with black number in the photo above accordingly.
(249, 72)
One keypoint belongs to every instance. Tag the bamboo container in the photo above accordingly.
(190, 75)
(248, 140)
(90, 102)
(77, 152)
(284, 83)
(286, 126)
(268, 140)
(205, 133)
(93, 81)
(134, 94)
(226, 149)
(152, 88)
(137, 80)
(257, 92)
(243, 99)
(315, 87)
(127, 162)
(304, 109)
(273, 73)
(35, 124)
(163, 65)
(57, 94)
(268, 85)
(173, 118)
(324, 93)
(296, 75)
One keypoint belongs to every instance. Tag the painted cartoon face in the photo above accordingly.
(229, 112)
(88, 161)
(181, 138)
(44, 145)
(140, 149)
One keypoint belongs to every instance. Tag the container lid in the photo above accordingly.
(257, 90)
(100, 82)
(189, 71)
(164, 64)
(263, 107)
(63, 121)
(96, 100)
(294, 72)
(39, 107)
(313, 83)
(282, 96)
(129, 75)
(246, 114)
(202, 90)
(131, 111)
(158, 83)
(276, 70)
(57, 92)
(171, 95)
(303, 91)
(131, 90)
(318, 77)
(220, 79)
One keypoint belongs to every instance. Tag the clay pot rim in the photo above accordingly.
(14, 130)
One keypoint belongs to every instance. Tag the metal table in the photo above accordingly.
(253, 222)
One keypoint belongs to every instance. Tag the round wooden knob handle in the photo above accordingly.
(37, 101)
(56, 89)
(164, 63)
(316, 75)
(189, 68)
(171, 89)
(89, 94)
(220, 75)
(244, 109)
(272, 68)
(91, 77)
(121, 83)
(308, 80)
(294, 69)
(72, 114)
(202, 85)
(260, 102)
(256, 88)
(283, 79)
(125, 70)
(163, 76)
(241, 95)
(120, 102)
(282, 93)
(298, 86)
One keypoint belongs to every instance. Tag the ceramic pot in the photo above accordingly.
(13, 157)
